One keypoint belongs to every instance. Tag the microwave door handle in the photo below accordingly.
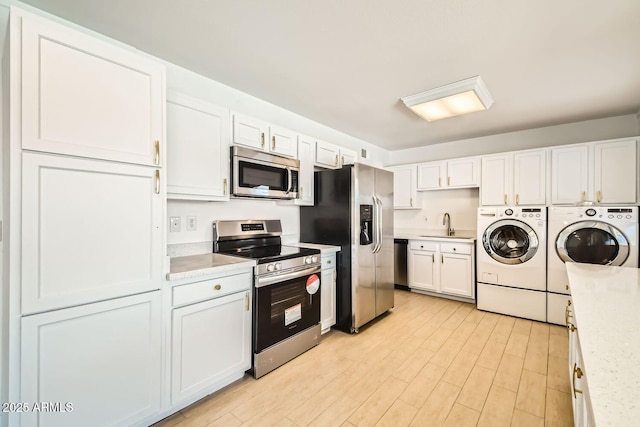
(289, 180)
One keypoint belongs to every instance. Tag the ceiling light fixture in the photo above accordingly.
(466, 96)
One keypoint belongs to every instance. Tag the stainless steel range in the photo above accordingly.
(286, 291)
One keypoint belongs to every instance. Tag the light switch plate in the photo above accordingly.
(192, 223)
(174, 223)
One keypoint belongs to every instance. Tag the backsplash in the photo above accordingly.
(461, 204)
(207, 212)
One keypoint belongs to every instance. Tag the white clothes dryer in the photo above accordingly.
(511, 261)
(603, 235)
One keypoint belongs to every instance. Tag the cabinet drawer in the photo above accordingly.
(328, 261)
(423, 245)
(455, 248)
(213, 288)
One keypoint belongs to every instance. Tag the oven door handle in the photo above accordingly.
(271, 279)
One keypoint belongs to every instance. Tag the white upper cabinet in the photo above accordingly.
(569, 174)
(456, 173)
(614, 173)
(529, 177)
(404, 187)
(327, 155)
(430, 175)
(603, 172)
(306, 149)
(259, 135)
(198, 149)
(517, 178)
(283, 141)
(250, 132)
(348, 157)
(85, 97)
(495, 186)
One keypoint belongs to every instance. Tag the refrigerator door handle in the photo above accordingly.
(377, 218)
(379, 223)
(374, 227)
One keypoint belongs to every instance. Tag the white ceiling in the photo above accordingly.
(346, 64)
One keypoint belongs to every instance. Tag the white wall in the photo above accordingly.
(592, 130)
(461, 204)
(207, 212)
(192, 84)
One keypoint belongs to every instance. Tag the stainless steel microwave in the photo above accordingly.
(263, 175)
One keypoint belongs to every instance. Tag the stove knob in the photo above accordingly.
(307, 260)
(278, 266)
(270, 267)
(314, 259)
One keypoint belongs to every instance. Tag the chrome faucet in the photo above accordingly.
(446, 221)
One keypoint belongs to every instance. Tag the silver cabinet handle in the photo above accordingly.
(262, 139)
(224, 183)
(157, 181)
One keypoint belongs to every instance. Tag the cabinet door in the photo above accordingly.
(305, 180)
(529, 177)
(456, 274)
(104, 359)
(250, 132)
(327, 155)
(432, 175)
(86, 97)
(569, 174)
(210, 341)
(90, 231)
(328, 298)
(422, 270)
(348, 157)
(198, 149)
(615, 176)
(495, 187)
(404, 187)
(283, 141)
(463, 172)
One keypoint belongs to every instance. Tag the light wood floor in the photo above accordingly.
(429, 362)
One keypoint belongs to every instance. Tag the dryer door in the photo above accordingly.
(592, 242)
(510, 241)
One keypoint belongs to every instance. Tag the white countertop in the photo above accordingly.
(323, 248)
(186, 267)
(465, 236)
(606, 307)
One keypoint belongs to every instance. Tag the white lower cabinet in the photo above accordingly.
(328, 277)
(100, 363)
(210, 337)
(446, 268)
(580, 399)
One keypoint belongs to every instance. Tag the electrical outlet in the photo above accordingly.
(191, 223)
(174, 223)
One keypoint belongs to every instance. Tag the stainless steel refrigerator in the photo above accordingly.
(353, 209)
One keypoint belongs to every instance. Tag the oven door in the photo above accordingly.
(285, 305)
(261, 177)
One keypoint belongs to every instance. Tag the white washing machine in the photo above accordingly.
(587, 234)
(511, 261)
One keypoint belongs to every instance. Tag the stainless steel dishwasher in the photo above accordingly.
(400, 254)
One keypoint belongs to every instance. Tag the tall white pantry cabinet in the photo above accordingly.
(86, 214)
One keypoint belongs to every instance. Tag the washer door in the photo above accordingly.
(510, 241)
(592, 242)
